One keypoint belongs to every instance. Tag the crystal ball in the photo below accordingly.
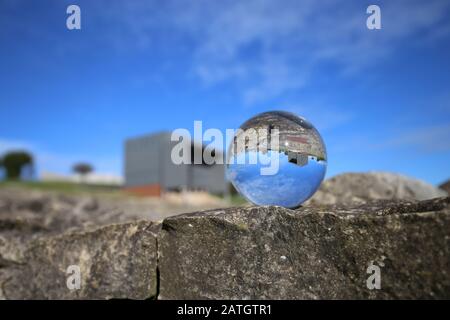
(276, 158)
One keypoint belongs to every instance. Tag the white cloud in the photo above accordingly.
(426, 139)
(322, 116)
(264, 47)
(270, 47)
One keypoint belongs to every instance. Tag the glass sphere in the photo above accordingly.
(276, 158)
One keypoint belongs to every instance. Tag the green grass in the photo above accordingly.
(66, 187)
(237, 200)
(80, 188)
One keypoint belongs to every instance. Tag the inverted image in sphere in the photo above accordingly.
(277, 158)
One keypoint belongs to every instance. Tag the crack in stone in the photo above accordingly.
(157, 268)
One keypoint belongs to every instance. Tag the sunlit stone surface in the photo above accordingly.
(287, 144)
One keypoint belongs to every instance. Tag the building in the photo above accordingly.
(149, 169)
(297, 158)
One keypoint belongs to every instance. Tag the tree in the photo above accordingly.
(14, 162)
(82, 169)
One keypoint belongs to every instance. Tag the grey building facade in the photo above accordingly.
(149, 169)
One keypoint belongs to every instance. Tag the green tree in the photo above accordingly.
(82, 169)
(13, 163)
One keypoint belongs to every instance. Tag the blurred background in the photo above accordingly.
(70, 99)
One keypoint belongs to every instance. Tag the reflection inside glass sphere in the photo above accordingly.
(277, 158)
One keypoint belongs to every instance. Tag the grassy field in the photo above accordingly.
(80, 188)
(66, 187)
(237, 200)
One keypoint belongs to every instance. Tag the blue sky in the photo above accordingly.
(381, 99)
